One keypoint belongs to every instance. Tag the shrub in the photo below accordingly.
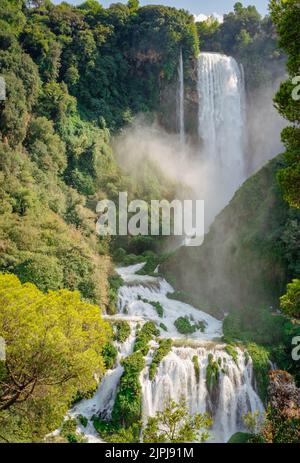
(128, 404)
(68, 430)
(184, 325)
(212, 374)
(44, 271)
(195, 361)
(163, 327)
(83, 420)
(176, 425)
(165, 345)
(290, 302)
(261, 367)
(232, 352)
(114, 433)
(121, 330)
(144, 336)
(114, 282)
(157, 306)
(109, 354)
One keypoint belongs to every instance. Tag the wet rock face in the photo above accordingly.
(284, 396)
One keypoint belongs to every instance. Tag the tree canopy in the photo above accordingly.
(286, 16)
(175, 425)
(53, 344)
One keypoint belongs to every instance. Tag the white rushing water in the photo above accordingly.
(180, 100)
(221, 118)
(227, 403)
(140, 288)
(234, 394)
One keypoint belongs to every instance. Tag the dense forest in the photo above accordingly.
(76, 77)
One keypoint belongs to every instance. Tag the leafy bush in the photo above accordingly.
(290, 302)
(163, 327)
(128, 404)
(144, 336)
(115, 282)
(113, 433)
(109, 354)
(212, 374)
(184, 325)
(175, 425)
(68, 430)
(165, 346)
(232, 352)
(42, 270)
(195, 361)
(157, 306)
(261, 367)
(240, 438)
(121, 330)
(83, 420)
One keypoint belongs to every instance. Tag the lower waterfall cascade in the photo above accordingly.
(235, 394)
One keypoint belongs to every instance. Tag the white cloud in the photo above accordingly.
(203, 17)
(200, 17)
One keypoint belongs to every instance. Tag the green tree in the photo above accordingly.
(44, 271)
(12, 18)
(175, 425)
(53, 349)
(290, 302)
(286, 16)
(133, 5)
(45, 146)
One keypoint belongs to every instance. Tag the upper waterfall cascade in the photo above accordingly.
(221, 128)
(235, 393)
(221, 118)
(180, 100)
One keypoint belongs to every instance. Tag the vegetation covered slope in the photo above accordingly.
(70, 74)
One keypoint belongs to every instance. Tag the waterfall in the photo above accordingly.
(180, 100)
(103, 401)
(234, 394)
(221, 119)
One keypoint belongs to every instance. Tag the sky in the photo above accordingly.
(196, 7)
